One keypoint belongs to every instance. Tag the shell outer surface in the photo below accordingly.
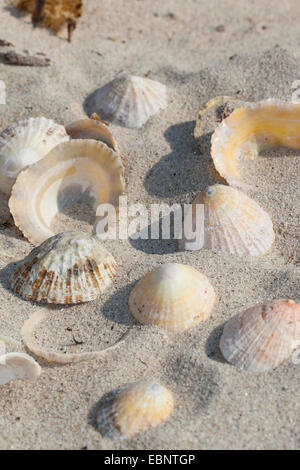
(262, 337)
(175, 297)
(18, 366)
(69, 268)
(134, 408)
(92, 129)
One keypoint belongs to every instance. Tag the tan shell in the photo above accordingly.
(24, 143)
(129, 100)
(261, 337)
(92, 129)
(18, 366)
(68, 268)
(76, 171)
(174, 296)
(233, 223)
(134, 408)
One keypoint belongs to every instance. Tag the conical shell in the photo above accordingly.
(135, 408)
(239, 136)
(18, 366)
(174, 296)
(260, 338)
(233, 223)
(24, 143)
(68, 268)
(92, 129)
(129, 100)
(77, 171)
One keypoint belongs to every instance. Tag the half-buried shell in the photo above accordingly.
(18, 366)
(92, 129)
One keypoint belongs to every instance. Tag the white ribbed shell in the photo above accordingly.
(24, 143)
(18, 366)
(68, 268)
(263, 336)
(129, 100)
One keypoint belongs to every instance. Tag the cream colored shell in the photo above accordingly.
(76, 171)
(92, 129)
(174, 296)
(18, 366)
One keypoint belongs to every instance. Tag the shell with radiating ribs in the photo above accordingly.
(69, 268)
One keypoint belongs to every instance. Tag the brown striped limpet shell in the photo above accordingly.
(69, 268)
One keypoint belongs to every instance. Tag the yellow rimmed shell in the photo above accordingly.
(92, 129)
(262, 337)
(232, 222)
(129, 100)
(134, 408)
(84, 171)
(18, 366)
(24, 143)
(69, 268)
(268, 123)
(174, 296)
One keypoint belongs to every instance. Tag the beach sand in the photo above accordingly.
(199, 49)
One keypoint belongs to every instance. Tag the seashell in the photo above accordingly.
(77, 171)
(18, 366)
(69, 268)
(174, 296)
(134, 408)
(261, 337)
(249, 128)
(129, 100)
(24, 143)
(92, 129)
(233, 223)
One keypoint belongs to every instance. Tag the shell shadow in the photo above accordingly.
(116, 308)
(184, 170)
(158, 246)
(212, 348)
(107, 430)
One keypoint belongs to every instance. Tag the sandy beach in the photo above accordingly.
(198, 49)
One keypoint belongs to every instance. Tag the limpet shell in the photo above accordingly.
(134, 408)
(69, 268)
(175, 297)
(262, 337)
(78, 171)
(233, 223)
(24, 143)
(269, 123)
(18, 366)
(129, 100)
(92, 129)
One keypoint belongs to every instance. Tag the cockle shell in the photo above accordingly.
(134, 408)
(174, 296)
(129, 100)
(68, 268)
(92, 129)
(233, 223)
(261, 337)
(24, 143)
(77, 171)
(254, 125)
(18, 366)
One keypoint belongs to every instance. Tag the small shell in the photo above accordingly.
(129, 100)
(260, 338)
(18, 366)
(79, 171)
(69, 268)
(134, 408)
(263, 124)
(174, 296)
(92, 129)
(233, 223)
(24, 143)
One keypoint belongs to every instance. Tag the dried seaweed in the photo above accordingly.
(14, 58)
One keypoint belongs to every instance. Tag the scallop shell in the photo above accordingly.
(92, 129)
(233, 223)
(174, 296)
(69, 268)
(18, 366)
(76, 171)
(24, 143)
(134, 408)
(260, 338)
(263, 124)
(129, 100)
